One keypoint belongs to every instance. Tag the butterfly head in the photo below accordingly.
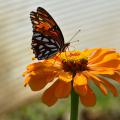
(66, 45)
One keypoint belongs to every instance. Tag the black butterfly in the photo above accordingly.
(47, 39)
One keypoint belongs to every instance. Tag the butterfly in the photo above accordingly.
(47, 39)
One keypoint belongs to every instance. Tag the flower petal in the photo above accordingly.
(79, 83)
(101, 70)
(47, 75)
(115, 76)
(35, 82)
(90, 52)
(110, 61)
(46, 64)
(80, 79)
(80, 90)
(37, 79)
(89, 99)
(98, 82)
(65, 76)
(62, 89)
(49, 97)
(100, 54)
(110, 87)
(114, 63)
(106, 83)
(94, 54)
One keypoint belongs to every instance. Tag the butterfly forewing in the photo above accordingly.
(47, 37)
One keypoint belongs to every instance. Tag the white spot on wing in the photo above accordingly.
(52, 40)
(35, 22)
(42, 50)
(45, 40)
(47, 52)
(50, 46)
(34, 44)
(37, 34)
(39, 18)
(38, 38)
(40, 55)
(58, 44)
(54, 49)
(53, 54)
(41, 46)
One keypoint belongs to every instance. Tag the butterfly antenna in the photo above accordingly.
(75, 41)
(75, 35)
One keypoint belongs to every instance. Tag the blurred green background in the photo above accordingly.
(99, 21)
(107, 108)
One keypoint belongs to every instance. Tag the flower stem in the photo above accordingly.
(74, 105)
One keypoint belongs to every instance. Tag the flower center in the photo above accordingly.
(74, 61)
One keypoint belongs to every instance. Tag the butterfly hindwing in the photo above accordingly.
(43, 47)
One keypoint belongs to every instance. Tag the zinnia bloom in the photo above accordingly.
(74, 70)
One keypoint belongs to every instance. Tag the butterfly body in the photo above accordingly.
(47, 39)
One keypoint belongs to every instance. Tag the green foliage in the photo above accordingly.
(39, 111)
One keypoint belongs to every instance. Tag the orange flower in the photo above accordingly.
(75, 70)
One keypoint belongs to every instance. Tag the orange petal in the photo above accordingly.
(114, 63)
(80, 90)
(100, 54)
(102, 70)
(80, 79)
(98, 83)
(35, 66)
(110, 87)
(115, 76)
(46, 75)
(65, 76)
(94, 54)
(26, 81)
(46, 64)
(89, 99)
(38, 79)
(62, 89)
(35, 82)
(90, 52)
(24, 73)
(48, 96)
(109, 60)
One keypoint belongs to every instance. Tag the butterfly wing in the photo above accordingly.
(47, 37)
(44, 46)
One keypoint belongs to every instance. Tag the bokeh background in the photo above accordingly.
(99, 21)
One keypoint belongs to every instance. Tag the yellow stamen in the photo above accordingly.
(74, 61)
(73, 56)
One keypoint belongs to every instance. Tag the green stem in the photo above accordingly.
(74, 105)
